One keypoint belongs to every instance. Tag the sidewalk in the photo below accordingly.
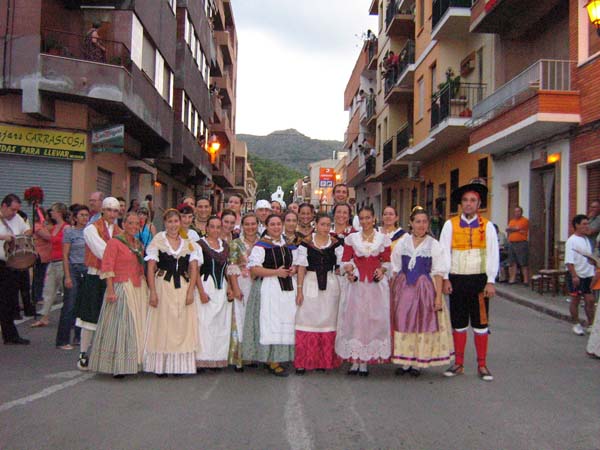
(555, 306)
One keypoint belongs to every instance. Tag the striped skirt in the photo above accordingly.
(119, 340)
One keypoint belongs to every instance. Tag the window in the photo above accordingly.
(186, 29)
(421, 99)
(148, 58)
(482, 168)
(413, 197)
(440, 202)
(453, 186)
(433, 70)
(167, 83)
(429, 198)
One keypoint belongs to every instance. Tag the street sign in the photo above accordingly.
(326, 177)
(43, 142)
(111, 139)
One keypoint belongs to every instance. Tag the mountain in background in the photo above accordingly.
(290, 148)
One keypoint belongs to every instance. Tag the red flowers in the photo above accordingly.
(34, 194)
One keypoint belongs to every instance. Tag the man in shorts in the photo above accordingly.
(580, 272)
(518, 248)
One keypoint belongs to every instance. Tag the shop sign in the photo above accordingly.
(42, 142)
(109, 140)
(326, 177)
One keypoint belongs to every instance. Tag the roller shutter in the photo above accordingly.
(18, 173)
(593, 183)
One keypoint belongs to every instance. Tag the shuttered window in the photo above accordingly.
(593, 183)
(104, 182)
(21, 172)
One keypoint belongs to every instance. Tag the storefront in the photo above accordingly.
(39, 157)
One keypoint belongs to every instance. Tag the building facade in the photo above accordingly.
(129, 113)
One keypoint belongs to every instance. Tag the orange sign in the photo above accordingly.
(326, 177)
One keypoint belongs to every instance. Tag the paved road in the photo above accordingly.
(546, 396)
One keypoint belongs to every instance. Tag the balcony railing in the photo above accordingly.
(370, 165)
(403, 138)
(394, 71)
(440, 7)
(371, 50)
(455, 100)
(370, 107)
(392, 9)
(545, 74)
(388, 150)
(79, 46)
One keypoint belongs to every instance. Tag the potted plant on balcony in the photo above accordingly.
(52, 46)
(452, 83)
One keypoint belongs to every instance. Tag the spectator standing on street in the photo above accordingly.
(518, 249)
(42, 248)
(262, 209)
(580, 272)
(55, 274)
(147, 228)
(95, 204)
(11, 224)
(122, 206)
(594, 217)
(75, 270)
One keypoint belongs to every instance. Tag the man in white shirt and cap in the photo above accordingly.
(262, 210)
(88, 305)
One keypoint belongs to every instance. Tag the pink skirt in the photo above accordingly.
(315, 350)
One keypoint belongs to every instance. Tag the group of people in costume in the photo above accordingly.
(289, 288)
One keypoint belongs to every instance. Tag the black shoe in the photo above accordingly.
(29, 312)
(216, 369)
(119, 376)
(363, 373)
(401, 371)
(414, 372)
(352, 372)
(252, 365)
(200, 370)
(17, 341)
(320, 370)
(238, 369)
(82, 363)
(162, 375)
(17, 316)
(300, 371)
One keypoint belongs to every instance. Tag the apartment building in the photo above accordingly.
(128, 114)
(360, 102)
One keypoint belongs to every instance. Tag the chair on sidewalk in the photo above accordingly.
(552, 280)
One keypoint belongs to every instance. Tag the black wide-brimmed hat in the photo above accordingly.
(477, 185)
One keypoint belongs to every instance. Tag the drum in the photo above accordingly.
(20, 252)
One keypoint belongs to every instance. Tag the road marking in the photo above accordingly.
(44, 393)
(66, 375)
(208, 393)
(296, 431)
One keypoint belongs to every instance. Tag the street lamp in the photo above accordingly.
(593, 10)
(212, 147)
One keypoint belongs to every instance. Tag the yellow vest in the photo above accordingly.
(468, 248)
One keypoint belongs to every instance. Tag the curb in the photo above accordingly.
(535, 306)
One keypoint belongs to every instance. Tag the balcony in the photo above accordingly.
(372, 49)
(370, 164)
(450, 19)
(106, 81)
(399, 21)
(222, 175)
(225, 86)
(367, 117)
(374, 8)
(217, 110)
(398, 83)
(226, 40)
(72, 45)
(451, 111)
(392, 167)
(355, 171)
(510, 18)
(353, 129)
(536, 104)
(187, 151)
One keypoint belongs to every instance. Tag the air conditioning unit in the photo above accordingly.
(414, 171)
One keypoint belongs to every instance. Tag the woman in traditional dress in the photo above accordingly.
(364, 328)
(172, 337)
(228, 232)
(213, 305)
(118, 346)
(317, 299)
(269, 327)
(241, 282)
(187, 218)
(390, 226)
(420, 319)
(341, 226)
(202, 213)
(306, 215)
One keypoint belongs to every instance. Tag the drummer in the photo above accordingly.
(11, 225)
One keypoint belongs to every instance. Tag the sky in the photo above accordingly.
(294, 61)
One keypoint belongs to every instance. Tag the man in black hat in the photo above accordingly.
(471, 246)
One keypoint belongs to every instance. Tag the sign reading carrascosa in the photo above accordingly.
(42, 142)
